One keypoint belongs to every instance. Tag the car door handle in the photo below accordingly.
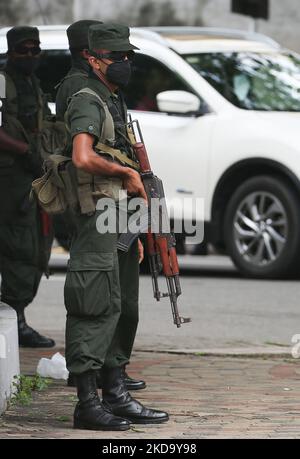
(183, 191)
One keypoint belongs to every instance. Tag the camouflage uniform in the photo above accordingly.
(22, 252)
(76, 79)
(94, 334)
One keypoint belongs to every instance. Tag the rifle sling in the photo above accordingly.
(117, 154)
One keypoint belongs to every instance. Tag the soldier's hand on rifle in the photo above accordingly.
(141, 251)
(133, 184)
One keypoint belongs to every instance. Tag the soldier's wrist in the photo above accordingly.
(125, 172)
(128, 172)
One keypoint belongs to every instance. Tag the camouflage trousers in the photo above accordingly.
(101, 299)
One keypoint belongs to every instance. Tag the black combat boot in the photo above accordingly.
(28, 337)
(116, 395)
(90, 413)
(130, 383)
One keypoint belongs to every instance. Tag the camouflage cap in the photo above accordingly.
(78, 33)
(113, 37)
(18, 34)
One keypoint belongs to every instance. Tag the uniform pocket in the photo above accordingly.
(91, 261)
(88, 293)
(88, 287)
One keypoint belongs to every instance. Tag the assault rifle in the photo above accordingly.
(160, 242)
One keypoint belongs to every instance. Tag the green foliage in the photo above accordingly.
(25, 385)
(63, 418)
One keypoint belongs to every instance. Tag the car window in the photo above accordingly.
(149, 78)
(252, 81)
(54, 65)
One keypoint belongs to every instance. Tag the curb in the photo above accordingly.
(229, 353)
(9, 353)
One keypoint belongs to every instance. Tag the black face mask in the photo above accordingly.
(119, 73)
(26, 65)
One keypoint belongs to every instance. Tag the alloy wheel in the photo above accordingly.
(260, 228)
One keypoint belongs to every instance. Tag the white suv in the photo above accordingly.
(220, 116)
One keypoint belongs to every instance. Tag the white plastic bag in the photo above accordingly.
(53, 368)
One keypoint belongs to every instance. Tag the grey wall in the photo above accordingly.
(282, 26)
(18, 12)
(143, 12)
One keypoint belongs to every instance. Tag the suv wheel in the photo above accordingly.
(262, 228)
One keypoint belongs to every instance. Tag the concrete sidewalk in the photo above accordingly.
(207, 397)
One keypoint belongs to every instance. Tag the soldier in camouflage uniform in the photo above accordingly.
(22, 253)
(75, 80)
(92, 289)
(77, 76)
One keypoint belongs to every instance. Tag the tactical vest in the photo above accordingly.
(115, 143)
(20, 121)
(64, 186)
(50, 136)
(116, 140)
(26, 121)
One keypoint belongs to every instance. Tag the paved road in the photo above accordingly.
(206, 397)
(228, 313)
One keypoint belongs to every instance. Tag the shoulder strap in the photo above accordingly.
(103, 146)
(117, 155)
(108, 130)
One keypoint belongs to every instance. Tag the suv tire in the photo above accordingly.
(262, 228)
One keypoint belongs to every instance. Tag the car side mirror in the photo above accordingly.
(182, 102)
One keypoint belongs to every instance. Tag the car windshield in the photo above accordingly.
(252, 81)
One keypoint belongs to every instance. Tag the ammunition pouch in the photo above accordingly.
(52, 138)
(54, 191)
(90, 188)
(63, 187)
